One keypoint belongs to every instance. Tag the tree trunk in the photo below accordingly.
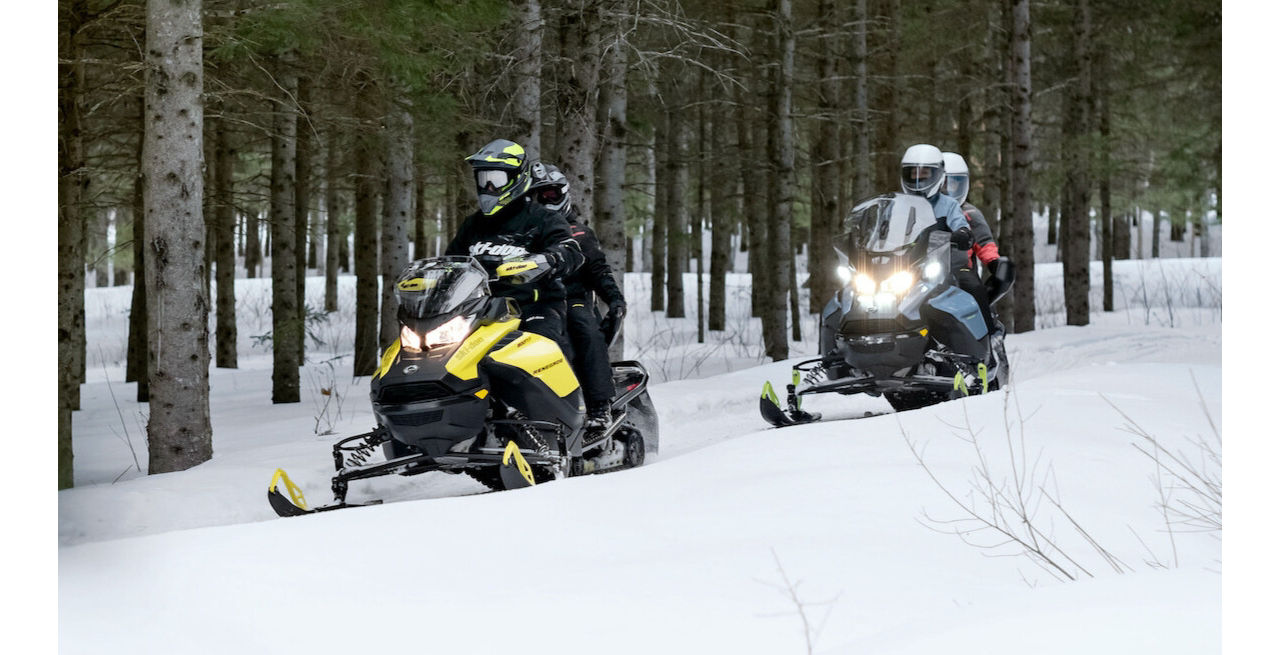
(825, 179)
(252, 244)
(699, 214)
(677, 134)
(1155, 232)
(721, 224)
(577, 102)
(862, 130)
(1123, 235)
(419, 217)
(526, 119)
(333, 221)
(72, 181)
(751, 151)
(365, 360)
(286, 318)
(1076, 233)
(224, 155)
(137, 357)
(1102, 95)
(399, 210)
(1022, 237)
(661, 216)
(989, 169)
(611, 215)
(783, 154)
(888, 149)
(178, 430)
(303, 166)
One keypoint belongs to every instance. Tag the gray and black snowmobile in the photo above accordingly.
(899, 326)
(463, 390)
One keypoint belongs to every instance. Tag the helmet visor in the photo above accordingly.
(957, 187)
(492, 180)
(918, 179)
(550, 195)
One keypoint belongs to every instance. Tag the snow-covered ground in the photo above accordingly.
(733, 539)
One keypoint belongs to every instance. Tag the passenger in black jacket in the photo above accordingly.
(510, 225)
(590, 353)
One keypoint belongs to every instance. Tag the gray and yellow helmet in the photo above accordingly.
(502, 174)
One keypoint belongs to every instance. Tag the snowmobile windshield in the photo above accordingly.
(885, 224)
(440, 286)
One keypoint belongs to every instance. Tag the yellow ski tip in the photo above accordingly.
(295, 494)
(512, 454)
(769, 394)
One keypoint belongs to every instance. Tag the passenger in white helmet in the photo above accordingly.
(984, 247)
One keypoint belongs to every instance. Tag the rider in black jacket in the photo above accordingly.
(510, 225)
(590, 353)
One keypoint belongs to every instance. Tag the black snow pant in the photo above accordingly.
(968, 280)
(589, 354)
(547, 319)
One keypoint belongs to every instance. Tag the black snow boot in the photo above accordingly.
(599, 417)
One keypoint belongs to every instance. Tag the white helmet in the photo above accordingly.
(922, 170)
(957, 177)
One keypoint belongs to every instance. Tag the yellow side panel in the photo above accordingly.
(388, 358)
(464, 360)
(542, 358)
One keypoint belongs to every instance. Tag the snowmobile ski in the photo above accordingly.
(296, 504)
(771, 410)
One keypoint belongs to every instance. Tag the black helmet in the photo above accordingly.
(550, 187)
(502, 174)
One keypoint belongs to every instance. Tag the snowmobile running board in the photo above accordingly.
(772, 411)
(294, 504)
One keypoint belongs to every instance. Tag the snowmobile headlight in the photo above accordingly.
(844, 274)
(899, 282)
(864, 285)
(933, 271)
(453, 331)
(410, 339)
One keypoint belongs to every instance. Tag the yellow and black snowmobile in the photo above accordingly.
(463, 390)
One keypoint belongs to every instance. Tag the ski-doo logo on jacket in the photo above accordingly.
(497, 250)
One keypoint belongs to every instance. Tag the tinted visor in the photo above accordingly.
(957, 186)
(920, 178)
(550, 195)
(492, 180)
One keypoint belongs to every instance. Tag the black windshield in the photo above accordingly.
(439, 286)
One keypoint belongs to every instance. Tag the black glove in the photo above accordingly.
(962, 238)
(1001, 278)
(617, 309)
(553, 259)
